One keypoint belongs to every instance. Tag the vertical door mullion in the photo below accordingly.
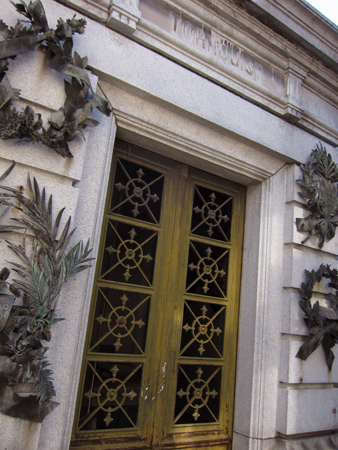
(177, 255)
(155, 378)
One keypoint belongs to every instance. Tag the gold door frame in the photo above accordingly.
(161, 359)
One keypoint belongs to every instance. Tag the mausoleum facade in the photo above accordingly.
(184, 331)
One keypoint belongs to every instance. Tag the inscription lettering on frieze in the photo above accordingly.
(214, 45)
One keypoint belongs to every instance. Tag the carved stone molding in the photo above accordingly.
(95, 9)
(258, 64)
(124, 15)
(301, 21)
(295, 76)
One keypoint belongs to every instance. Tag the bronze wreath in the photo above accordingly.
(322, 321)
(319, 183)
(68, 122)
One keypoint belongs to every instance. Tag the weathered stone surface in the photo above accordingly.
(210, 117)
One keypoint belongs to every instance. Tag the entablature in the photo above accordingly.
(224, 43)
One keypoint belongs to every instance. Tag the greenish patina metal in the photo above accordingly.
(322, 321)
(5, 203)
(28, 303)
(319, 183)
(75, 115)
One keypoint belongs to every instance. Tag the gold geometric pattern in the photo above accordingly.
(109, 397)
(197, 394)
(121, 322)
(137, 192)
(129, 254)
(159, 365)
(133, 194)
(212, 217)
(203, 330)
(207, 269)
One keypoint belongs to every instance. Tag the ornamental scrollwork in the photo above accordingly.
(75, 115)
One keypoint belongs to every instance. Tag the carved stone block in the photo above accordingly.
(124, 15)
(295, 76)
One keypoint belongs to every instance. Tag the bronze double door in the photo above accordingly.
(159, 365)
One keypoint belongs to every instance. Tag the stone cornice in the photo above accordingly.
(258, 60)
(299, 22)
(95, 9)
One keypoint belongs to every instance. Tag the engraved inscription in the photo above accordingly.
(213, 45)
(216, 46)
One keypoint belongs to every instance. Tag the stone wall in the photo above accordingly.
(307, 397)
(79, 184)
(210, 120)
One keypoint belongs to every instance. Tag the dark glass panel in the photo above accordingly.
(129, 254)
(203, 330)
(211, 215)
(137, 192)
(207, 270)
(111, 396)
(198, 394)
(120, 322)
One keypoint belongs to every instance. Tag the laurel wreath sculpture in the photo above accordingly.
(28, 302)
(322, 321)
(319, 183)
(75, 115)
(45, 262)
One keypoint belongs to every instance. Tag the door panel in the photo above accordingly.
(161, 348)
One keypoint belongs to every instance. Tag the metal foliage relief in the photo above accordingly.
(321, 320)
(28, 302)
(75, 115)
(319, 183)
